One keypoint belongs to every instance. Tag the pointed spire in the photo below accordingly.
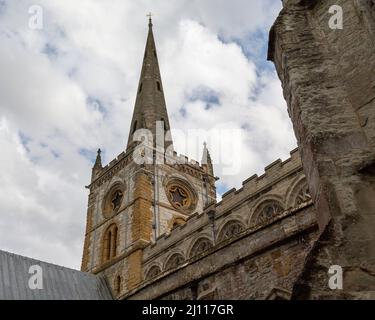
(150, 106)
(97, 166)
(206, 160)
(98, 161)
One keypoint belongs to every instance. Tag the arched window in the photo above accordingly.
(110, 243)
(267, 211)
(134, 126)
(140, 88)
(153, 272)
(230, 229)
(118, 284)
(201, 245)
(165, 126)
(174, 261)
(158, 85)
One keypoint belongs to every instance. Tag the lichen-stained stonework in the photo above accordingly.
(195, 260)
(156, 231)
(277, 236)
(328, 78)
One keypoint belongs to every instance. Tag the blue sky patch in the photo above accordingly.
(207, 95)
(96, 105)
(90, 155)
(55, 154)
(24, 140)
(2, 6)
(50, 50)
(221, 188)
(182, 111)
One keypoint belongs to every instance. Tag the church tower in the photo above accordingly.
(145, 192)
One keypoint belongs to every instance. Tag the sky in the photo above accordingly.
(68, 84)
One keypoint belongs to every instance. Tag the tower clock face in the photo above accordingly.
(181, 195)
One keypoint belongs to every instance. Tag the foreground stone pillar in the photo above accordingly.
(328, 79)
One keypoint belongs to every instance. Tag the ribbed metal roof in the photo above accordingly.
(59, 283)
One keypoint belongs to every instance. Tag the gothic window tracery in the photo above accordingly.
(116, 199)
(268, 211)
(110, 240)
(153, 272)
(201, 245)
(181, 196)
(231, 229)
(113, 200)
(174, 261)
(178, 196)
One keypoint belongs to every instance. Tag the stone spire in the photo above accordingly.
(97, 166)
(150, 104)
(206, 160)
(98, 161)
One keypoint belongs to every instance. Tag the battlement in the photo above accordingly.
(199, 222)
(110, 169)
(254, 184)
(175, 158)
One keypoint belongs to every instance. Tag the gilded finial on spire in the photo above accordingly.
(149, 19)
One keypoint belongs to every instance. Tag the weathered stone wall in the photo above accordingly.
(144, 213)
(186, 170)
(256, 256)
(281, 183)
(252, 265)
(328, 78)
(97, 223)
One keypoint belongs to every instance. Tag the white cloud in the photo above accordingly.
(71, 88)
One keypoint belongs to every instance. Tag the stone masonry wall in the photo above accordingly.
(328, 79)
(250, 266)
(260, 257)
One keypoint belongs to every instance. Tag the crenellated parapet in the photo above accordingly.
(110, 170)
(262, 201)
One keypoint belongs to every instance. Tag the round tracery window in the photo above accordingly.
(116, 200)
(113, 201)
(181, 196)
